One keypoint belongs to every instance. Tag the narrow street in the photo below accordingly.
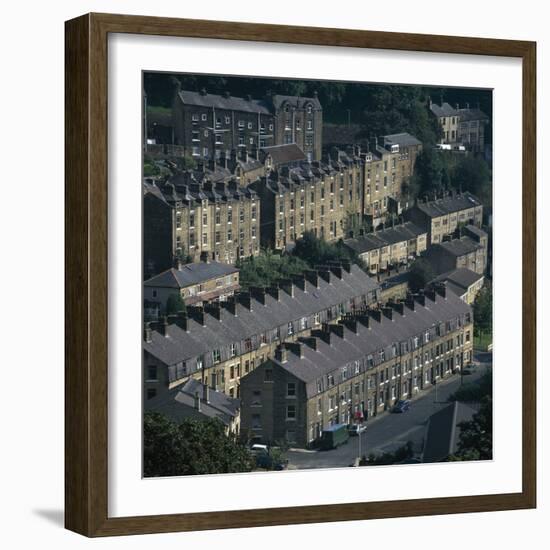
(389, 431)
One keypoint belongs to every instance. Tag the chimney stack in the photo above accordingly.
(299, 281)
(181, 320)
(197, 313)
(275, 292)
(258, 294)
(197, 399)
(215, 309)
(310, 341)
(376, 314)
(313, 277)
(231, 305)
(324, 273)
(388, 312)
(287, 286)
(420, 298)
(163, 326)
(441, 289)
(205, 393)
(245, 300)
(350, 323)
(147, 333)
(281, 353)
(338, 330)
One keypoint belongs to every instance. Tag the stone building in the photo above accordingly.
(462, 125)
(448, 119)
(223, 342)
(463, 252)
(186, 218)
(196, 283)
(471, 128)
(357, 367)
(207, 125)
(320, 197)
(442, 216)
(196, 401)
(387, 168)
(391, 246)
(464, 282)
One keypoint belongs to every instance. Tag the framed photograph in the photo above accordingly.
(282, 248)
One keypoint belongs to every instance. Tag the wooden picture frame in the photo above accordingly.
(86, 419)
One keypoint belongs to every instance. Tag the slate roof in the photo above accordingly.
(327, 358)
(442, 431)
(179, 403)
(443, 110)
(190, 274)
(403, 139)
(222, 102)
(282, 154)
(296, 101)
(476, 230)
(385, 237)
(180, 345)
(448, 204)
(456, 247)
(469, 114)
(461, 277)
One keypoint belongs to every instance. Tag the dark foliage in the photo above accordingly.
(192, 447)
(420, 273)
(476, 436)
(474, 392)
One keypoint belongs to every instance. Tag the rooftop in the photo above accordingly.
(248, 105)
(456, 247)
(443, 110)
(403, 139)
(190, 274)
(282, 154)
(461, 277)
(446, 205)
(442, 431)
(226, 102)
(310, 363)
(384, 237)
(181, 402)
(247, 322)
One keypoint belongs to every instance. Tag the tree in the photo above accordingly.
(316, 251)
(420, 273)
(474, 391)
(476, 435)
(399, 455)
(266, 268)
(483, 310)
(191, 447)
(174, 304)
(473, 174)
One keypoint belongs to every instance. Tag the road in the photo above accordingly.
(387, 431)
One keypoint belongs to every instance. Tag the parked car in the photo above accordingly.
(401, 406)
(356, 429)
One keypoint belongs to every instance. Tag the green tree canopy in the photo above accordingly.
(316, 251)
(189, 448)
(483, 310)
(266, 268)
(476, 436)
(174, 304)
